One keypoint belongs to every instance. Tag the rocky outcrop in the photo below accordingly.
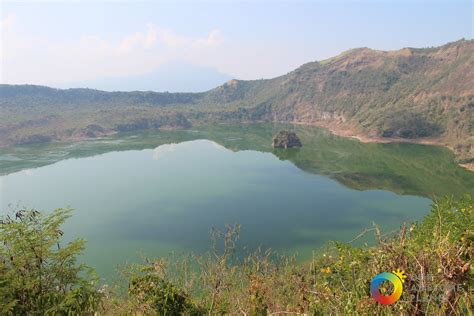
(286, 139)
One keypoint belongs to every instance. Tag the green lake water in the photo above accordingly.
(158, 192)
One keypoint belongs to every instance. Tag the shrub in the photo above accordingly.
(149, 293)
(37, 274)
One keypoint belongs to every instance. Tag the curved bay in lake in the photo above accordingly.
(162, 191)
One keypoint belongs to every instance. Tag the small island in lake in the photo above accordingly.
(286, 139)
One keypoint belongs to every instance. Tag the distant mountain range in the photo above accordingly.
(413, 94)
(171, 77)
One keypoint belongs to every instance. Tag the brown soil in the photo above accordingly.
(468, 166)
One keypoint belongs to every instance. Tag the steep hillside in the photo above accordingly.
(406, 95)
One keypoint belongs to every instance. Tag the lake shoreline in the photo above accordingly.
(336, 128)
(352, 132)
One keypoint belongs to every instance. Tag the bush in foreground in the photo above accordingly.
(37, 274)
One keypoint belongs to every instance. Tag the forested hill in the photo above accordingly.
(409, 94)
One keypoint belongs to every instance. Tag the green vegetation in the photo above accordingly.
(407, 94)
(436, 255)
(37, 274)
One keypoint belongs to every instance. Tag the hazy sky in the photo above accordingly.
(64, 41)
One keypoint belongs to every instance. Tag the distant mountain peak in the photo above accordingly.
(170, 77)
